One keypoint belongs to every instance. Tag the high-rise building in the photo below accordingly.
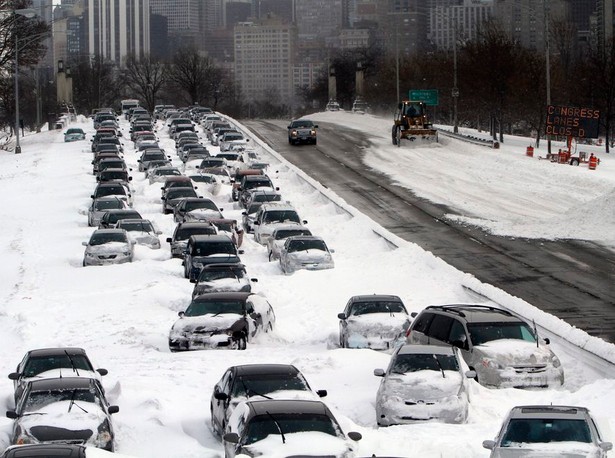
(183, 20)
(264, 58)
(456, 21)
(117, 28)
(318, 20)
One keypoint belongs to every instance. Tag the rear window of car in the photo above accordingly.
(440, 327)
(209, 248)
(422, 322)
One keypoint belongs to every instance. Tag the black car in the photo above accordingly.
(183, 231)
(149, 155)
(196, 209)
(174, 195)
(208, 249)
(110, 217)
(221, 320)
(240, 383)
(113, 174)
(113, 189)
(262, 418)
(216, 278)
(64, 409)
(111, 162)
(45, 451)
(250, 182)
(52, 362)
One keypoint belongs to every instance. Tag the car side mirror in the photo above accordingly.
(547, 341)
(414, 314)
(12, 415)
(113, 409)
(321, 393)
(489, 445)
(240, 251)
(305, 221)
(92, 196)
(102, 372)
(470, 374)
(341, 316)
(606, 446)
(84, 243)
(169, 239)
(232, 438)
(254, 280)
(379, 372)
(221, 396)
(355, 436)
(14, 376)
(315, 126)
(181, 314)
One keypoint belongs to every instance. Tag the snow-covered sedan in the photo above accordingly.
(196, 209)
(50, 363)
(100, 206)
(305, 252)
(215, 278)
(264, 381)
(141, 231)
(376, 321)
(423, 382)
(108, 246)
(276, 428)
(221, 320)
(275, 243)
(63, 409)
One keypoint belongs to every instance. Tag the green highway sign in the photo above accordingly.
(429, 96)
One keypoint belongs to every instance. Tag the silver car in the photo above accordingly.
(141, 231)
(100, 206)
(503, 349)
(275, 243)
(423, 382)
(548, 430)
(305, 252)
(108, 246)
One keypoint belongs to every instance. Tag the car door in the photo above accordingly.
(418, 330)
(219, 406)
(344, 322)
(439, 329)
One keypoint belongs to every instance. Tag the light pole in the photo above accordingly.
(28, 13)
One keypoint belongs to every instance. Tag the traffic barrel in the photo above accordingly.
(529, 151)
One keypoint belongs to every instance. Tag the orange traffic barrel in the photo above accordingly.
(529, 151)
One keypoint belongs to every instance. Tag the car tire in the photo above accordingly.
(241, 343)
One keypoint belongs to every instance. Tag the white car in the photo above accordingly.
(275, 243)
(422, 383)
(108, 246)
(376, 321)
(271, 215)
(141, 231)
(101, 205)
(305, 252)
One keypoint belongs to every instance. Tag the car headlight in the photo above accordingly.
(104, 434)
(313, 132)
(555, 361)
(89, 255)
(126, 253)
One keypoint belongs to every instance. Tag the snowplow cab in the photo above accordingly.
(411, 123)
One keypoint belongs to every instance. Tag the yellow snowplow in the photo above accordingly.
(411, 123)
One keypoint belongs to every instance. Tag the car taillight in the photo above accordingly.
(408, 333)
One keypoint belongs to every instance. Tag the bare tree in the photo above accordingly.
(195, 75)
(95, 84)
(145, 78)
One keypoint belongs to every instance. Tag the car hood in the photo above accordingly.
(143, 237)
(303, 444)
(111, 247)
(549, 450)
(378, 323)
(54, 421)
(203, 213)
(224, 284)
(207, 322)
(422, 385)
(514, 352)
(309, 256)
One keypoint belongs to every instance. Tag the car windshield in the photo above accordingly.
(405, 363)
(296, 124)
(263, 425)
(107, 237)
(280, 216)
(219, 274)
(304, 245)
(175, 193)
(209, 248)
(481, 333)
(114, 176)
(541, 430)
(114, 217)
(184, 233)
(74, 131)
(137, 226)
(199, 308)
(104, 165)
(257, 184)
(285, 233)
(203, 178)
(267, 198)
(362, 308)
(253, 385)
(108, 205)
(37, 365)
(200, 204)
(39, 399)
(153, 156)
(231, 137)
(110, 190)
(212, 163)
(162, 172)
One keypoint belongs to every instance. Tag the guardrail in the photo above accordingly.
(489, 142)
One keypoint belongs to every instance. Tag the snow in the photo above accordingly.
(122, 314)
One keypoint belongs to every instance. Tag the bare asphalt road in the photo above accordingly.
(573, 280)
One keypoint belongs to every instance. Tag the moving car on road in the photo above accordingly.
(302, 131)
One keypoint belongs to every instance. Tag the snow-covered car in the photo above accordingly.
(376, 321)
(232, 139)
(183, 231)
(262, 196)
(302, 131)
(63, 409)
(101, 205)
(250, 183)
(275, 243)
(174, 195)
(118, 190)
(221, 320)
(50, 363)
(108, 246)
(196, 209)
(217, 278)
(240, 383)
(422, 383)
(203, 250)
(74, 134)
(280, 428)
(110, 218)
(305, 252)
(234, 159)
(141, 231)
(271, 215)
(207, 182)
(548, 430)
(159, 174)
(503, 349)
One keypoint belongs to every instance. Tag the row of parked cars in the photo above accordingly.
(436, 354)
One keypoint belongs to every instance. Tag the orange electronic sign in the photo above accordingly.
(573, 121)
